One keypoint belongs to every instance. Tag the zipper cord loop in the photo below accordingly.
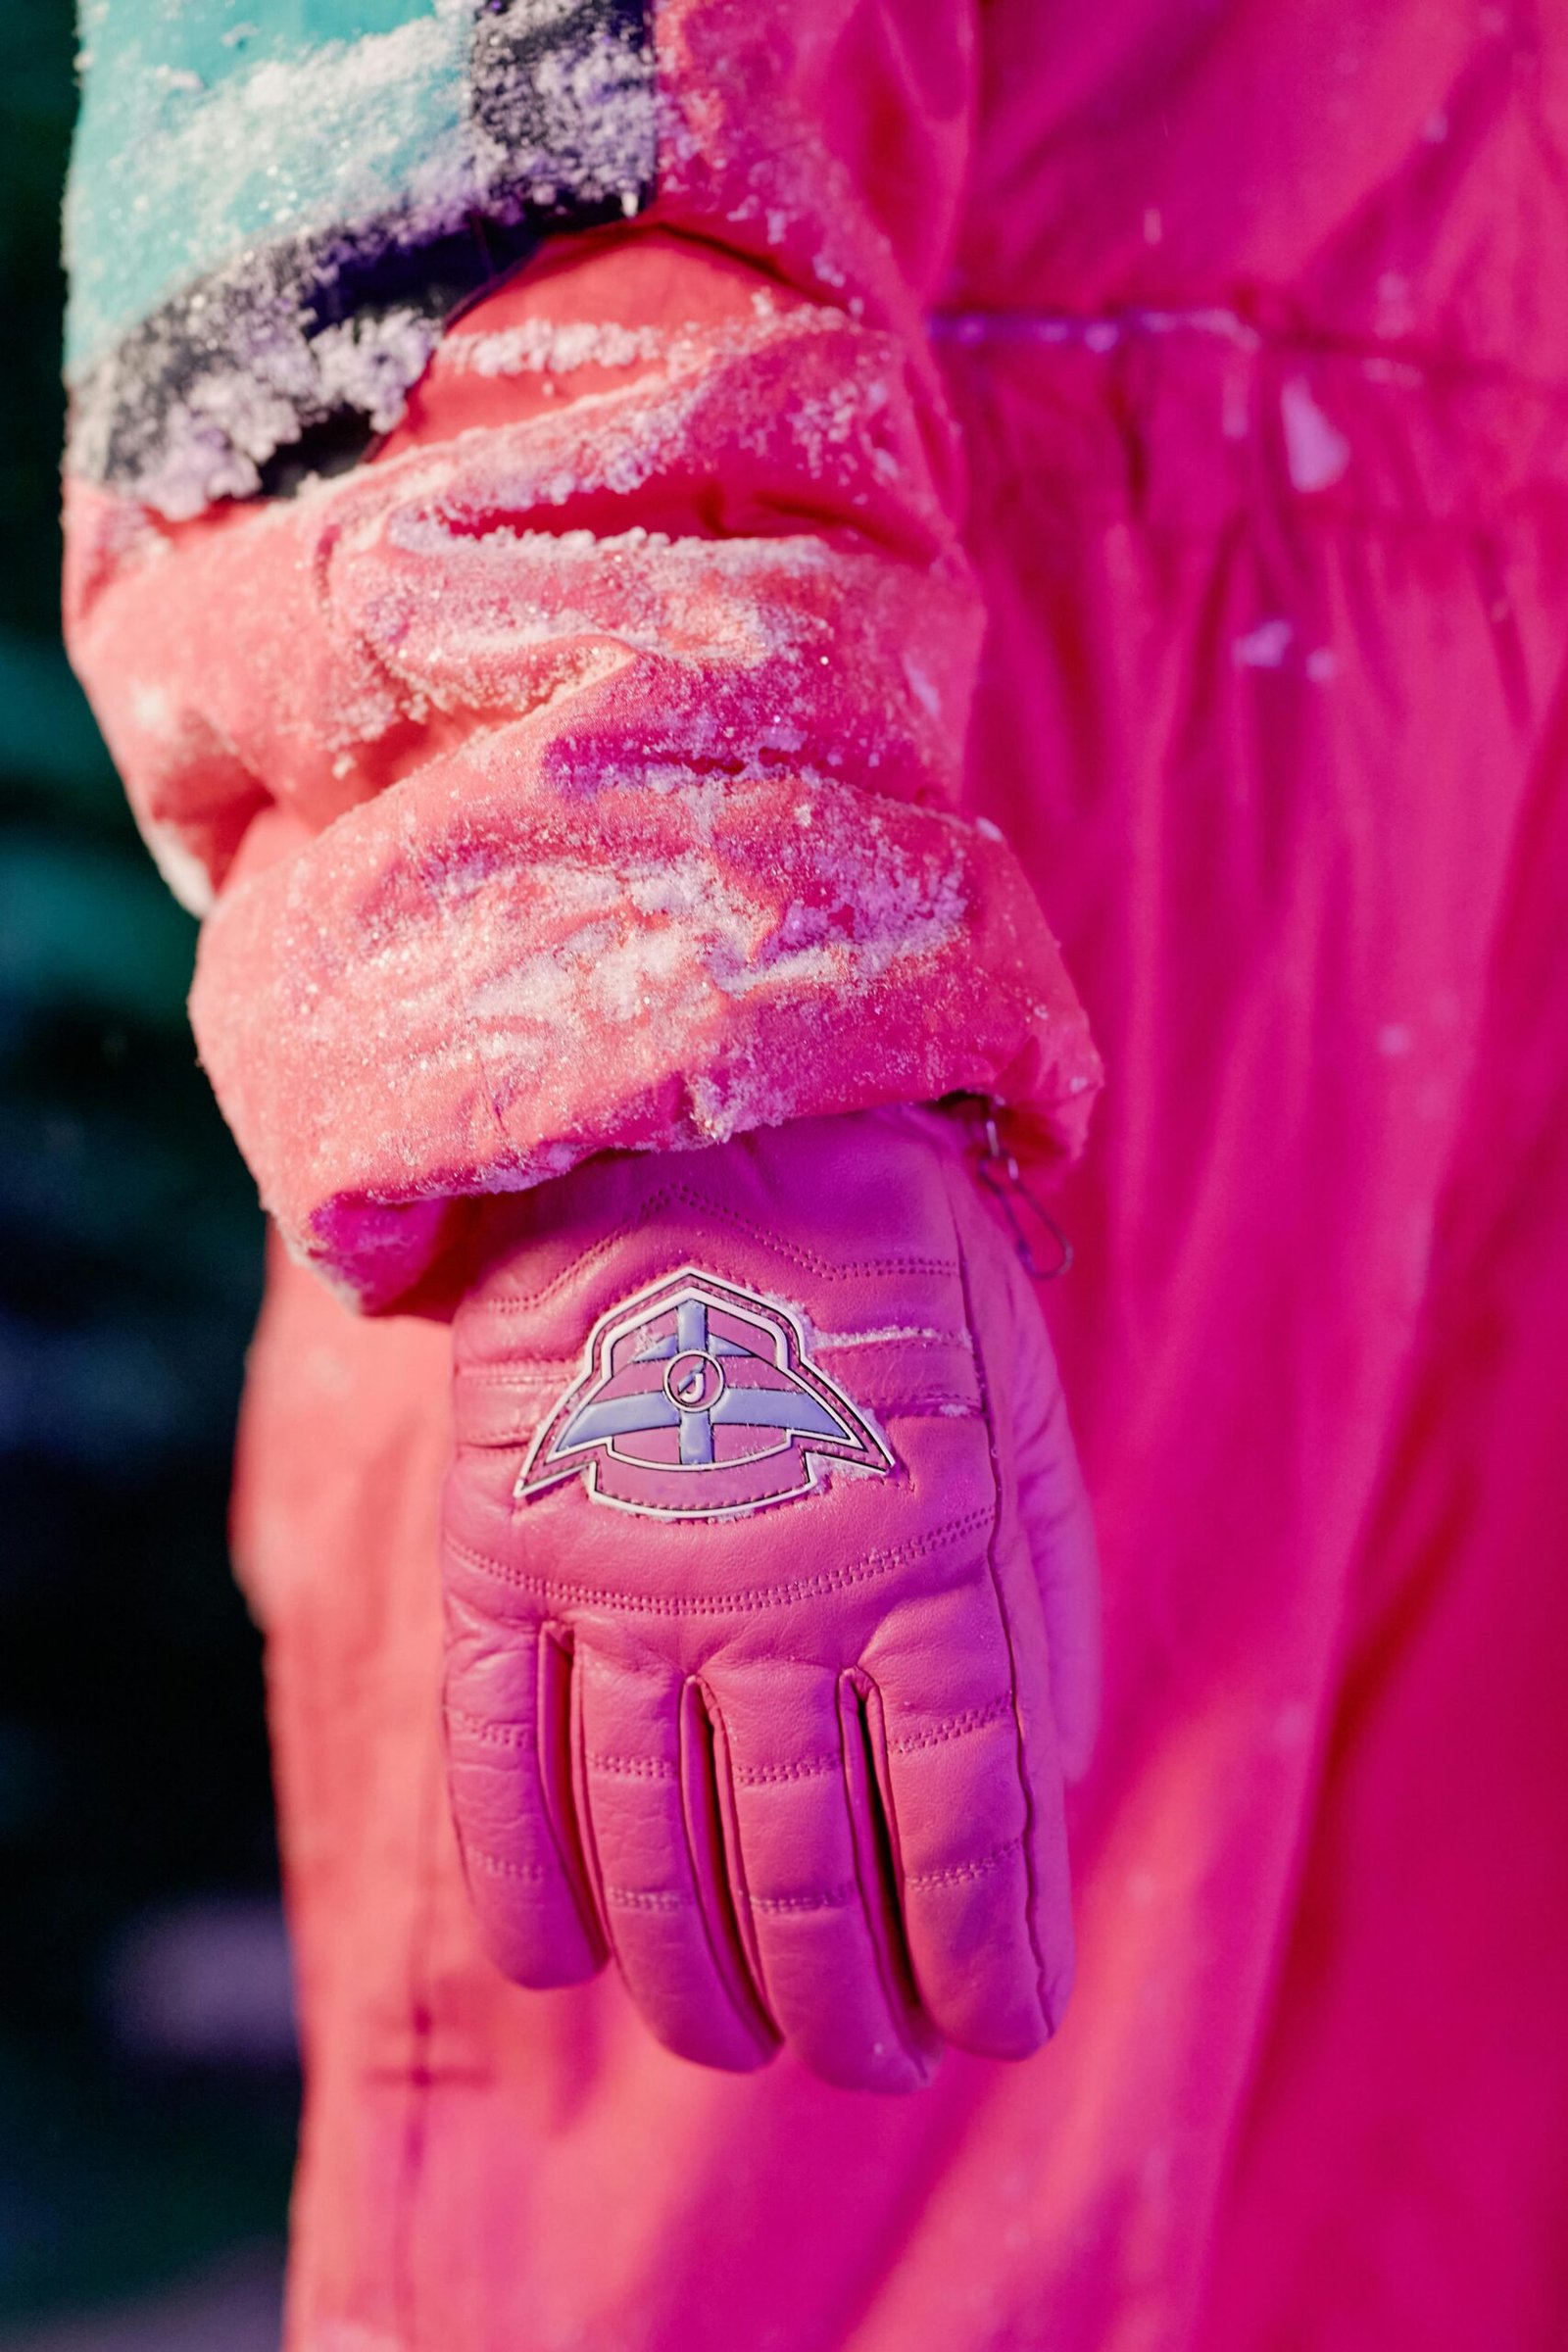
(1025, 1213)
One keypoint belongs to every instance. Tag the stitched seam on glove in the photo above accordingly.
(507, 1301)
(739, 1893)
(827, 1341)
(500, 1865)
(559, 1814)
(954, 1727)
(874, 1564)
(634, 1768)
(523, 1371)
(878, 1927)
(807, 1768)
(982, 1375)
(886, 1410)
(957, 1872)
(733, 1963)
(826, 1899)
(488, 1735)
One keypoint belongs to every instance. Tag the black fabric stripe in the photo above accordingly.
(290, 359)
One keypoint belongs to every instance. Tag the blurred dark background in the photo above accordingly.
(146, 2087)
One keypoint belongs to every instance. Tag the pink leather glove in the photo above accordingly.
(772, 1602)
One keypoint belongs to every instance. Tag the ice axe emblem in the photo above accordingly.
(699, 1399)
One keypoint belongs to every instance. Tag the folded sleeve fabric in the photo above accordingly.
(583, 767)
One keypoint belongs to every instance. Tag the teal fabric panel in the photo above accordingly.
(275, 206)
(210, 126)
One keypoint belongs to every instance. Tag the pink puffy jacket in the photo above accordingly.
(1021, 458)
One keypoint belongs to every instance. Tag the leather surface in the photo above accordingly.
(798, 1771)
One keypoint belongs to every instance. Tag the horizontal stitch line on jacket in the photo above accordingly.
(1098, 332)
(981, 1868)
(1403, 365)
(757, 1596)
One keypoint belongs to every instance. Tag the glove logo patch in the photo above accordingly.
(698, 1400)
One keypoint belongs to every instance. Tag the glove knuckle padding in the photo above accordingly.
(791, 1758)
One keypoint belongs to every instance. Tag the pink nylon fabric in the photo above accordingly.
(798, 1769)
(610, 810)
(1250, 326)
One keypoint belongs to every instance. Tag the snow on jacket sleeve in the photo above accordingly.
(585, 771)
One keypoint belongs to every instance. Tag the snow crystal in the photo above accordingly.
(180, 867)
(1396, 309)
(922, 688)
(1236, 403)
(1316, 453)
(1265, 647)
(549, 347)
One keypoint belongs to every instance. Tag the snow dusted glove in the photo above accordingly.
(772, 1602)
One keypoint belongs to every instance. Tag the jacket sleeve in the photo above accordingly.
(585, 771)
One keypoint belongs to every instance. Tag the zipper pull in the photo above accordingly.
(1028, 1220)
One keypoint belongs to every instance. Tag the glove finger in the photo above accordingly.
(1058, 1529)
(658, 1859)
(509, 1768)
(810, 1867)
(975, 1801)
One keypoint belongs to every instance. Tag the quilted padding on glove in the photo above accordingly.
(770, 1598)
